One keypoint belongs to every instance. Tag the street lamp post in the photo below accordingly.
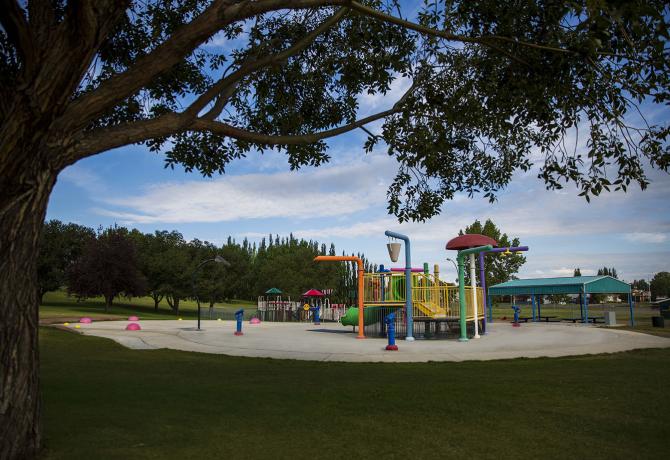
(455, 266)
(219, 260)
(408, 283)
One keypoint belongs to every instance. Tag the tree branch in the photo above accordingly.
(180, 44)
(225, 129)
(225, 87)
(13, 20)
(483, 40)
(103, 139)
(100, 140)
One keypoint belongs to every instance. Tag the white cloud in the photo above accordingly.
(217, 40)
(643, 237)
(83, 178)
(371, 103)
(312, 193)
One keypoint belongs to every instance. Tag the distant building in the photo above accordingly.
(641, 296)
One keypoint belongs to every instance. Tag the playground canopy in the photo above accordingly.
(313, 293)
(470, 240)
(273, 291)
(565, 285)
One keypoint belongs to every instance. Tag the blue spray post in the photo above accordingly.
(239, 316)
(390, 331)
(408, 283)
(517, 310)
(315, 310)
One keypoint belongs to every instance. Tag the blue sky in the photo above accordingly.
(345, 202)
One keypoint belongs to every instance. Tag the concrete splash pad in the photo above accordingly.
(333, 342)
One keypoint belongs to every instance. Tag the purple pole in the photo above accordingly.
(482, 277)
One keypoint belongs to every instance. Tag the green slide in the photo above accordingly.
(370, 316)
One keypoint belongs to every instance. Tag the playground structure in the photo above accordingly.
(433, 304)
(275, 308)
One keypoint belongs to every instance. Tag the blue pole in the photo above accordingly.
(630, 305)
(390, 332)
(239, 316)
(586, 308)
(408, 283)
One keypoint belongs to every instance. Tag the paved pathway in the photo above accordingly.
(332, 342)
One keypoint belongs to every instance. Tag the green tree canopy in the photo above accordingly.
(498, 267)
(640, 284)
(608, 272)
(660, 285)
(60, 246)
(108, 267)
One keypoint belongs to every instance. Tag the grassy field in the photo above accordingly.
(58, 305)
(104, 401)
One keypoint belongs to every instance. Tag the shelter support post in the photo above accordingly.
(532, 302)
(631, 308)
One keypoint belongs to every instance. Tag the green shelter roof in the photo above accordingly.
(564, 285)
(273, 291)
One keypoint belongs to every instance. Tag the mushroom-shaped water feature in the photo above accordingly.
(133, 327)
(85, 320)
(469, 245)
(133, 318)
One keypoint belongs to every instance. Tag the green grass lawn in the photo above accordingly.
(58, 304)
(103, 401)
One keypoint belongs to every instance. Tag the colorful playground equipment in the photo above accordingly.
(414, 294)
(469, 245)
(431, 300)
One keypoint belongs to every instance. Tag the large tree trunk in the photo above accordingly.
(173, 302)
(108, 302)
(157, 299)
(24, 194)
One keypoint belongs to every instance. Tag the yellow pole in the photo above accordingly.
(436, 285)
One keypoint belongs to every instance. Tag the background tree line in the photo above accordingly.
(117, 261)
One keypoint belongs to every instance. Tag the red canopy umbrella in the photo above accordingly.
(470, 240)
(313, 293)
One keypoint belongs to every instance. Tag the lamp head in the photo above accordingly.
(220, 260)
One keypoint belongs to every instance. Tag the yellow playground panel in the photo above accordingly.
(430, 296)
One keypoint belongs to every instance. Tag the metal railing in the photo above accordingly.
(430, 296)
